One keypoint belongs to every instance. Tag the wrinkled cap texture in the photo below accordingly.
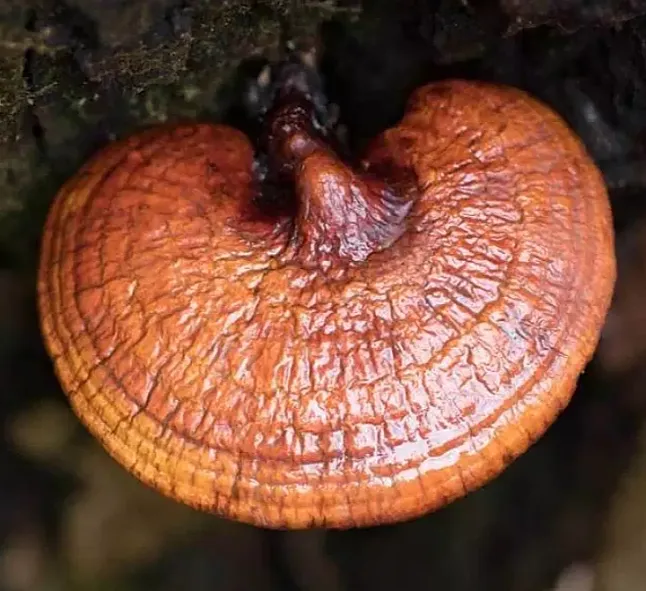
(388, 344)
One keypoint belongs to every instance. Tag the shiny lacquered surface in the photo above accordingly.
(380, 346)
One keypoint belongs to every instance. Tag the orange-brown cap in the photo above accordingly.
(328, 344)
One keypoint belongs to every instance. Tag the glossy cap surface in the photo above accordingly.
(364, 359)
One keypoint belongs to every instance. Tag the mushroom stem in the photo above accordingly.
(341, 213)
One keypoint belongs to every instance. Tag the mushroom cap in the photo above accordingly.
(231, 374)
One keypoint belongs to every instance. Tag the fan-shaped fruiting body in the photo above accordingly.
(328, 344)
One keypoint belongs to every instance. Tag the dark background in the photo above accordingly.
(76, 73)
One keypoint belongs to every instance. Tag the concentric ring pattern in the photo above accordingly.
(214, 365)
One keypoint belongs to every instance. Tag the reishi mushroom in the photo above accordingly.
(288, 338)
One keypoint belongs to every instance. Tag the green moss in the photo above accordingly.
(13, 94)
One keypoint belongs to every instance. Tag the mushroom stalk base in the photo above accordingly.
(341, 213)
